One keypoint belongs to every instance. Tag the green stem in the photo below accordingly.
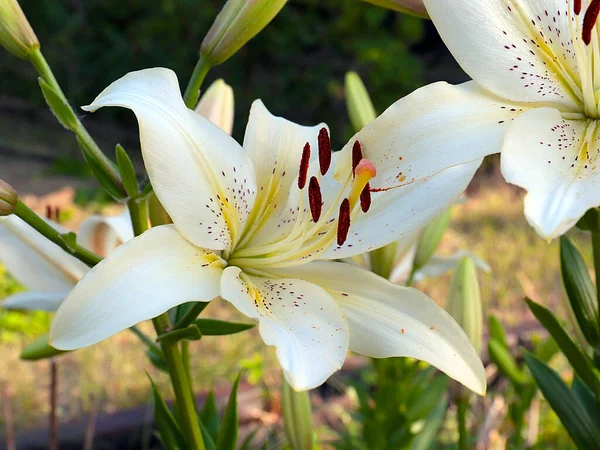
(596, 251)
(180, 379)
(66, 242)
(462, 424)
(43, 69)
(192, 92)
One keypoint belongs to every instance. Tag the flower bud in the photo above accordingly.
(237, 23)
(16, 35)
(359, 105)
(464, 301)
(413, 7)
(8, 199)
(297, 417)
(431, 238)
(40, 349)
(217, 105)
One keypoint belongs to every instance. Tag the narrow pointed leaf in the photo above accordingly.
(127, 172)
(114, 187)
(185, 314)
(228, 433)
(565, 404)
(502, 357)
(428, 399)
(166, 424)
(209, 441)
(580, 291)
(579, 360)
(209, 415)
(428, 435)
(431, 238)
(497, 331)
(59, 107)
(214, 327)
(587, 399)
(191, 333)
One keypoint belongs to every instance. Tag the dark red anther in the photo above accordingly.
(356, 155)
(315, 199)
(365, 198)
(324, 150)
(343, 222)
(577, 7)
(589, 20)
(303, 172)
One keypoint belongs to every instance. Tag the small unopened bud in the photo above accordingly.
(464, 301)
(237, 23)
(359, 105)
(413, 7)
(40, 349)
(297, 417)
(431, 238)
(217, 105)
(16, 35)
(8, 199)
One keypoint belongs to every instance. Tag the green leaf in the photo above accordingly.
(111, 185)
(579, 360)
(59, 106)
(214, 327)
(546, 350)
(431, 238)
(565, 404)
(170, 434)
(248, 441)
(157, 360)
(497, 331)
(428, 435)
(127, 172)
(590, 221)
(209, 415)
(502, 357)
(189, 312)
(209, 441)
(428, 399)
(190, 333)
(580, 291)
(228, 433)
(587, 399)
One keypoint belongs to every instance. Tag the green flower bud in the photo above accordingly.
(8, 199)
(464, 301)
(237, 23)
(40, 349)
(431, 238)
(359, 105)
(297, 417)
(16, 35)
(413, 7)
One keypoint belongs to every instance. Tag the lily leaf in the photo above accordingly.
(170, 434)
(209, 415)
(191, 333)
(228, 433)
(214, 327)
(565, 404)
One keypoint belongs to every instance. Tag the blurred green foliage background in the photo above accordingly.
(296, 65)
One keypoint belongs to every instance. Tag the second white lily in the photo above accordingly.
(257, 226)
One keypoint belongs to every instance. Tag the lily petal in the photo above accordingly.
(36, 262)
(399, 212)
(388, 320)
(217, 105)
(275, 146)
(299, 318)
(519, 50)
(556, 162)
(200, 174)
(34, 301)
(139, 280)
(103, 234)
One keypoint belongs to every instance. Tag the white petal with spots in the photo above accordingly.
(388, 320)
(299, 318)
(556, 162)
(203, 178)
(518, 49)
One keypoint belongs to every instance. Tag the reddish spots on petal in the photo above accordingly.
(589, 20)
(315, 199)
(303, 172)
(357, 155)
(324, 150)
(343, 222)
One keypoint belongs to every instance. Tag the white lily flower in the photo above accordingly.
(257, 225)
(217, 105)
(44, 268)
(534, 99)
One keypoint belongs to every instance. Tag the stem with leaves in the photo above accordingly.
(180, 379)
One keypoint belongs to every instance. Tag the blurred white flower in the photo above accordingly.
(46, 270)
(259, 226)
